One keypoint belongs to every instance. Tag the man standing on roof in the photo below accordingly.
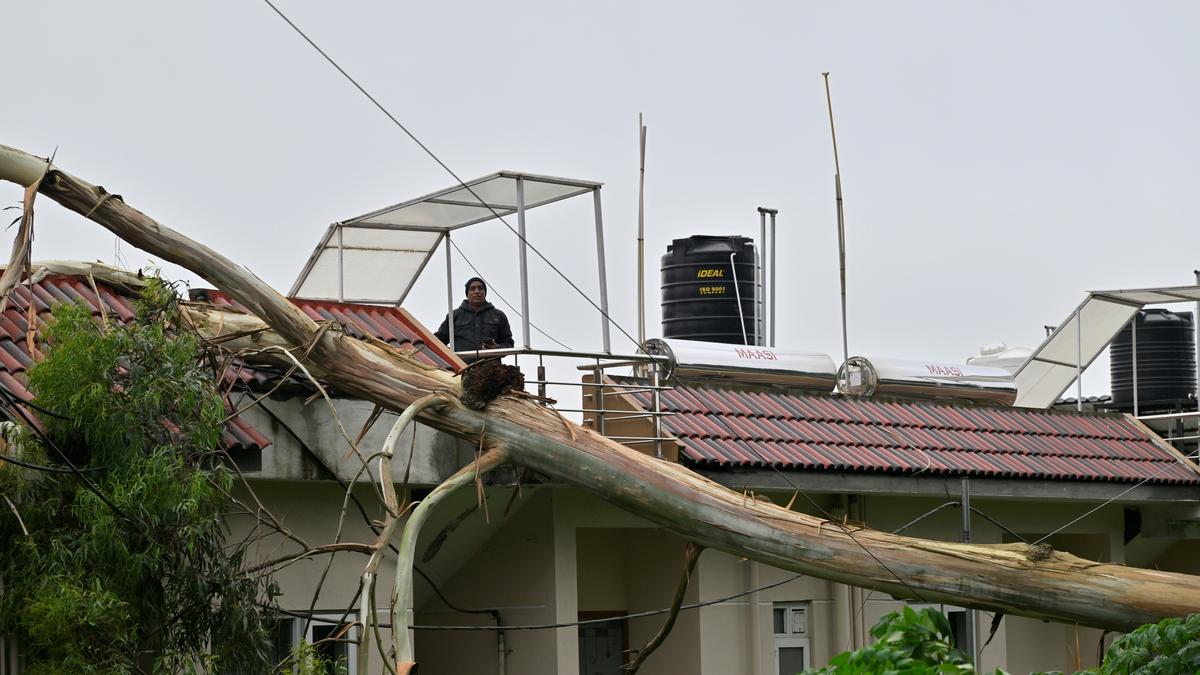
(477, 323)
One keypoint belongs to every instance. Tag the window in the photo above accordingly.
(603, 646)
(334, 640)
(790, 620)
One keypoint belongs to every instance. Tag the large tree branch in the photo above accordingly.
(1013, 578)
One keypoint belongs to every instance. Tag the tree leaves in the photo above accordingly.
(138, 578)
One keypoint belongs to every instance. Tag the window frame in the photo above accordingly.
(790, 637)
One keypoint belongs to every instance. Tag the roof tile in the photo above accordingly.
(728, 427)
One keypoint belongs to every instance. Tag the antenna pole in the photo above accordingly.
(641, 242)
(841, 222)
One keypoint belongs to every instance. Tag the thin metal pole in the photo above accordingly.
(966, 537)
(1137, 315)
(1078, 361)
(737, 293)
(760, 326)
(641, 242)
(341, 267)
(657, 411)
(541, 375)
(837, 184)
(523, 262)
(449, 291)
(773, 212)
(603, 271)
(599, 403)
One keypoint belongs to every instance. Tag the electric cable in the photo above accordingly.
(448, 170)
(501, 296)
(947, 505)
(362, 510)
(1106, 503)
(584, 622)
(829, 517)
(42, 467)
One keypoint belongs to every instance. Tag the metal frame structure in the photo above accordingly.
(1078, 340)
(401, 233)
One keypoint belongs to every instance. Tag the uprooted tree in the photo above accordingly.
(1010, 578)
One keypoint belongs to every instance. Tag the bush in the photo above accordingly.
(123, 566)
(907, 641)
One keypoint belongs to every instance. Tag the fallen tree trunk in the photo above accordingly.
(1012, 578)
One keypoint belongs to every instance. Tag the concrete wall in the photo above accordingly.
(558, 552)
(435, 456)
(514, 572)
(310, 510)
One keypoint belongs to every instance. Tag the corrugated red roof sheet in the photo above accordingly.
(725, 428)
(54, 289)
(390, 324)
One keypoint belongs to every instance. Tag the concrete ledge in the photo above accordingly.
(761, 480)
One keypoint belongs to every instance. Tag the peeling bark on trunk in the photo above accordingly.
(1013, 578)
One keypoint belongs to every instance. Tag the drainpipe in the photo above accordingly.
(755, 620)
(858, 633)
(501, 649)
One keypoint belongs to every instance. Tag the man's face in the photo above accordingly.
(476, 294)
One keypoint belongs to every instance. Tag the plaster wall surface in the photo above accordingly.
(310, 510)
(560, 552)
(513, 572)
(293, 427)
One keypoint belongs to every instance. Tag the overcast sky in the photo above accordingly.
(998, 159)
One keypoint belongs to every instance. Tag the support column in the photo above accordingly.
(603, 273)
(566, 588)
(972, 637)
(524, 263)
(341, 267)
(1078, 361)
(449, 292)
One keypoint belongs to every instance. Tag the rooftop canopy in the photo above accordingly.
(1077, 342)
(376, 258)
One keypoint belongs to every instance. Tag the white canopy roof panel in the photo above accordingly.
(1082, 337)
(376, 257)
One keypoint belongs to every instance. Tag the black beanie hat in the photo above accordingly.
(473, 280)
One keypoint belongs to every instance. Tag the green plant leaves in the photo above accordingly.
(140, 577)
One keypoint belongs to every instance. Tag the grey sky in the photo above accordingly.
(998, 159)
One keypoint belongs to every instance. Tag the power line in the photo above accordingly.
(1145, 480)
(448, 170)
(499, 295)
(585, 622)
(829, 517)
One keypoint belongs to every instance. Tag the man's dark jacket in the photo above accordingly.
(473, 327)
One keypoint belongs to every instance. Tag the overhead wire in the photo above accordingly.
(1110, 500)
(499, 295)
(525, 241)
(833, 521)
(583, 622)
(574, 286)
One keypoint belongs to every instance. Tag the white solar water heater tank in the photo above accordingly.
(746, 363)
(863, 376)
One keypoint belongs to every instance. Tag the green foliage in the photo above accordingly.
(912, 642)
(308, 661)
(1169, 647)
(138, 579)
(920, 643)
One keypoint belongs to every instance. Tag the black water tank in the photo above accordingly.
(699, 296)
(1166, 356)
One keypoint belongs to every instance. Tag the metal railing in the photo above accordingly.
(594, 397)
